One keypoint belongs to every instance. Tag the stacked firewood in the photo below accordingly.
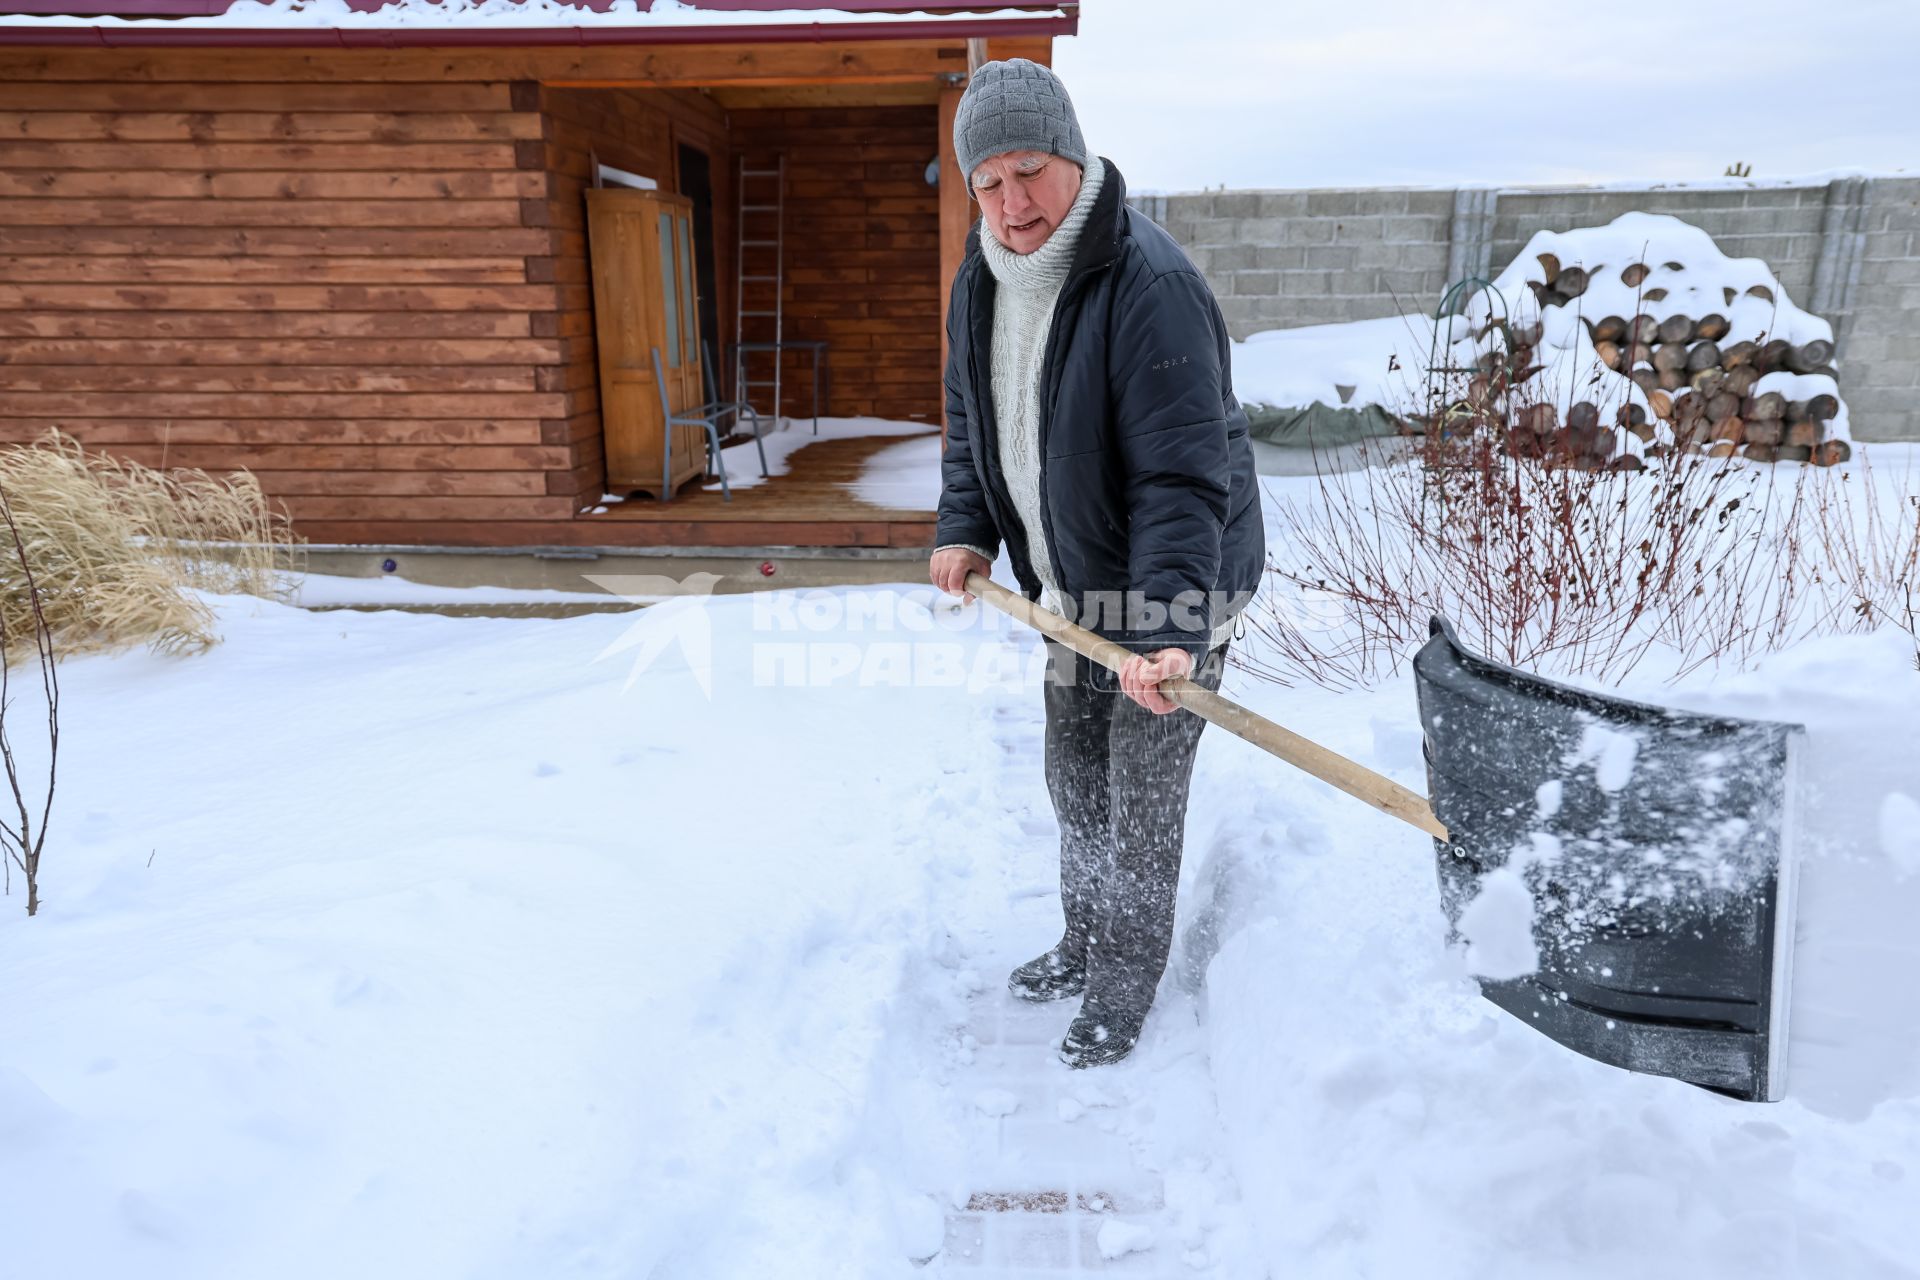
(1498, 396)
(1706, 392)
(1582, 441)
(1697, 384)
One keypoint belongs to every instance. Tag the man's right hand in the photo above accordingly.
(949, 569)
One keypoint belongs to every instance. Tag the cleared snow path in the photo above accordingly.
(1046, 1170)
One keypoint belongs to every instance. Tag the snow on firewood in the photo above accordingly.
(1649, 322)
(1635, 339)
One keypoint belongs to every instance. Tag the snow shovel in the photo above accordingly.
(1655, 848)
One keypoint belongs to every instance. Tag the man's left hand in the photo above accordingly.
(1140, 677)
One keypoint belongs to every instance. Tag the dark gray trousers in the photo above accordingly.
(1118, 775)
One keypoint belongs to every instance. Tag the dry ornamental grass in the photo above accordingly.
(117, 550)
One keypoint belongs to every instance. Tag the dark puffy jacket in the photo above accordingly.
(1147, 485)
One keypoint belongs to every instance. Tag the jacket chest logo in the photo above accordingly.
(1168, 363)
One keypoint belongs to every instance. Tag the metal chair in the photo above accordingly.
(738, 408)
(707, 417)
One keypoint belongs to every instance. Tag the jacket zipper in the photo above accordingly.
(1073, 289)
(987, 453)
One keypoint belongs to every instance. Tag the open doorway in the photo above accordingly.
(864, 279)
(696, 183)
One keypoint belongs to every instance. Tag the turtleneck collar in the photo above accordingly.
(1046, 268)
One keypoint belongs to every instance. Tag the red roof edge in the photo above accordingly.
(521, 37)
(944, 26)
(214, 8)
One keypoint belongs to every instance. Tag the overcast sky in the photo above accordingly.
(1187, 94)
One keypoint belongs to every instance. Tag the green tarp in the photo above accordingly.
(1318, 425)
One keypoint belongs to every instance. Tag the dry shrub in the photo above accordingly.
(1704, 561)
(23, 836)
(117, 549)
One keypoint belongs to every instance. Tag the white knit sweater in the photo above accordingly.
(1029, 287)
(1023, 305)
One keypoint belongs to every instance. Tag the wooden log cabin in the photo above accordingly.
(354, 259)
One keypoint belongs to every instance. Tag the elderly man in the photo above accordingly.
(1092, 430)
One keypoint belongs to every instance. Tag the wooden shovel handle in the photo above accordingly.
(1356, 780)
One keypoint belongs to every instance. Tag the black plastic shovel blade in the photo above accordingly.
(1657, 847)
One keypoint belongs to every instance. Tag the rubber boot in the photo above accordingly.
(1094, 1040)
(1053, 976)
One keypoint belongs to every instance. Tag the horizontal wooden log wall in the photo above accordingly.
(345, 288)
(862, 252)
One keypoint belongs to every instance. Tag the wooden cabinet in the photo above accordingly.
(640, 244)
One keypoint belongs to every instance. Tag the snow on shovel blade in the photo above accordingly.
(1656, 849)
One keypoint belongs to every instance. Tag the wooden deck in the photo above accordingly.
(814, 504)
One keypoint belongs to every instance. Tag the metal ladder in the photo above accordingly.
(743, 385)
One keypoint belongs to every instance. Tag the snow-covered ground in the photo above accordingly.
(905, 476)
(327, 590)
(397, 945)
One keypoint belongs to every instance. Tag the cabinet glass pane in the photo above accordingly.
(690, 290)
(672, 309)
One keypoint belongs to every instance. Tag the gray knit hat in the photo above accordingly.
(1015, 105)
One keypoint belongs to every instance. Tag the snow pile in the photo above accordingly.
(1498, 927)
(1366, 362)
(1118, 1239)
(1900, 832)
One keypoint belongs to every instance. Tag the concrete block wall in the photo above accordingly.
(1779, 225)
(1849, 250)
(1880, 345)
(1283, 258)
